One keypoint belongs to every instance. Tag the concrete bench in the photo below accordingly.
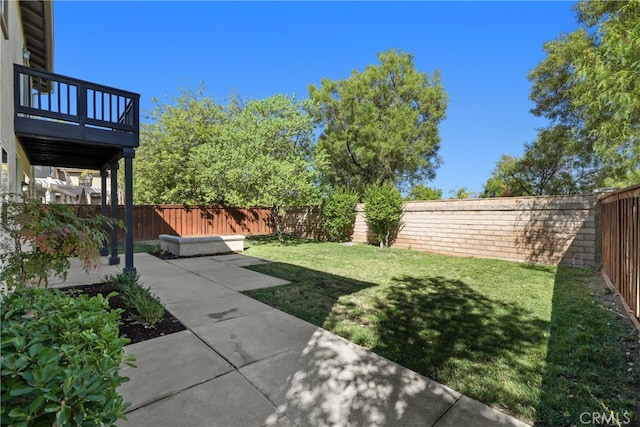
(201, 245)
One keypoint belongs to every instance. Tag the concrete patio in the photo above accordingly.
(243, 363)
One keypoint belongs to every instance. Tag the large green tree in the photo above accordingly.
(590, 83)
(555, 163)
(260, 157)
(380, 125)
(243, 154)
(163, 171)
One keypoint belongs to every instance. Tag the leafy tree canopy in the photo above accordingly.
(422, 192)
(254, 153)
(380, 125)
(261, 156)
(462, 193)
(554, 163)
(162, 168)
(590, 83)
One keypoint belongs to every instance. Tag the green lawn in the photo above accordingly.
(139, 247)
(529, 340)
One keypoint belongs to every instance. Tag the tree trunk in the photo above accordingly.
(277, 221)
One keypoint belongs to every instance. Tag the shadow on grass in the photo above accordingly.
(588, 379)
(448, 331)
(548, 372)
(438, 327)
(312, 294)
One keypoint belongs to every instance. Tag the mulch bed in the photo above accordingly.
(136, 332)
(167, 255)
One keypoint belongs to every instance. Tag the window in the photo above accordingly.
(4, 17)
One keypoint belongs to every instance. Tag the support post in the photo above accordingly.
(103, 207)
(129, 154)
(114, 259)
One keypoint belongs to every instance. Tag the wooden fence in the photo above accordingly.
(153, 220)
(621, 244)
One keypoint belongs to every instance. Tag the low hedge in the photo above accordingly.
(60, 360)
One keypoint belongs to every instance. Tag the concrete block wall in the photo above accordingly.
(550, 230)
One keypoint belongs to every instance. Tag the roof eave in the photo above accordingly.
(37, 27)
(48, 19)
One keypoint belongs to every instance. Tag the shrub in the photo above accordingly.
(383, 210)
(339, 215)
(44, 237)
(60, 360)
(147, 308)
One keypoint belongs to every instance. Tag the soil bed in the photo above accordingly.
(135, 331)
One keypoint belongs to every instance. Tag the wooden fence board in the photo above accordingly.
(152, 220)
(621, 244)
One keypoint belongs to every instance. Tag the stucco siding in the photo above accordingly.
(11, 53)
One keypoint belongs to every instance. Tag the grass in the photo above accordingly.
(138, 247)
(532, 341)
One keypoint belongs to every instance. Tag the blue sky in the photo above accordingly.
(483, 50)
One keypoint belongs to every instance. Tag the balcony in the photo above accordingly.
(62, 121)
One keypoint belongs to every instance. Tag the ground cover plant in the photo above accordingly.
(147, 307)
(543, 343)
(61, 356)
(142, 314)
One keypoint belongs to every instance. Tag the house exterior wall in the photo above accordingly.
(11, 46)
(550, 230)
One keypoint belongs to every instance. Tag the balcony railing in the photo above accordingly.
(52, 97)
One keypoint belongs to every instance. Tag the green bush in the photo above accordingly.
(60, 360)
(147, 308)
(339, 215)
(383, 210)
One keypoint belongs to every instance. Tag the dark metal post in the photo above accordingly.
(129, 154)
(103, 207)
(114, 259)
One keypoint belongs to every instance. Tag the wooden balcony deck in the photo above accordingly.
(62, 121)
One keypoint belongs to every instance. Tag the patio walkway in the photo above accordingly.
(244, 363)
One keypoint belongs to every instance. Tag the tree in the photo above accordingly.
(163, 171)
(555, 163)
(260, 156)
(590, 83)
(380, 125)
(462, 193)
(501, 183)
(422, 192)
